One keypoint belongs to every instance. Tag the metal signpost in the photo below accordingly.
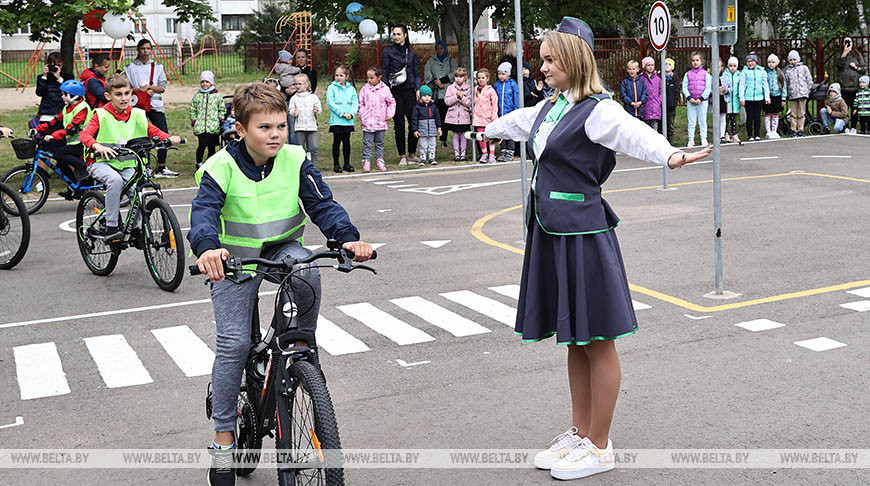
(720, 25)
(659, 33)
(519, 39)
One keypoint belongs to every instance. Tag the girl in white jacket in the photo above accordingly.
(305, 106)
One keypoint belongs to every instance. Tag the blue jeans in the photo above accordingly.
(839, 123)
(697, 116)
(291, 123)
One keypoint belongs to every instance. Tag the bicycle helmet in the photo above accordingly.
(73, 87)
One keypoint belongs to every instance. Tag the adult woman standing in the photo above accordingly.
(401, 68)
(573, 283)
(850, 67)
(438, 74)
(301, 60)
(48, 87)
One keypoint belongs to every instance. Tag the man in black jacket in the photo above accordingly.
(48, 87)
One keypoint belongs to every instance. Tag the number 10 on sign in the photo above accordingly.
(659, 25)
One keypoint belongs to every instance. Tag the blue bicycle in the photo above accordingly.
(31, 180)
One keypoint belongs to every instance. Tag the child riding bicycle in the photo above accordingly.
(250, 203)
(116, 123)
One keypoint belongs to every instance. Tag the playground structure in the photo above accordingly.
(300, 36)
(179, 43)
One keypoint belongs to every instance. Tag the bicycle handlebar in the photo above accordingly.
(234, 265)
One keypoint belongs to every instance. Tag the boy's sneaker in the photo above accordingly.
(367, 166)
(165, 172)
(403, 161)
(584, 461)
(221, 471)
(560, 446)
(381, 165)
(114, 234)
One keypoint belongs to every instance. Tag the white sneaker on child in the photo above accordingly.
(690, 144)
(584, 461)
(560, 446)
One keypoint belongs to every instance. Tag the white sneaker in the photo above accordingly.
(703, 142)
(165, 172)
(560, 446)
(853, 131)
(691, 143)
(403, 161)
(584, 461)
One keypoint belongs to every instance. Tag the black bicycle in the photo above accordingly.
(159, 236)
(284, 389)
(14, 228)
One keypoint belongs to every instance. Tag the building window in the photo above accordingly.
(233, 22)
(140, 26)
(23, 30)
(691, 22)
(171, 26)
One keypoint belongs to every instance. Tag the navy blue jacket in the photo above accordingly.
(394, 58)
(631, 94)
(531, 94)
(425, 119)
(49, 89)
(315, 195)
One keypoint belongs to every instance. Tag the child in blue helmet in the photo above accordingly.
(61, 133)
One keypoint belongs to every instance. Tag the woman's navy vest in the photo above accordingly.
(567, 193)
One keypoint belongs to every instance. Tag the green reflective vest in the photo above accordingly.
(68, 118)
(258, 213)
(118, 132)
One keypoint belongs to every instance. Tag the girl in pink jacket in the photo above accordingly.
(458, 120)
(376, 107)
(485, 111)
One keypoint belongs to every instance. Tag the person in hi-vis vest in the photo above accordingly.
(252, 201)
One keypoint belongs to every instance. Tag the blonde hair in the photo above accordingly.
(573, 56)
(116, 81)
(256, 98)
(632, 63)
(305, 81)
(510, 49)
(460, 71)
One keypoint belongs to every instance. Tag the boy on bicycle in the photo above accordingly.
(61, 133)
(116, 123)
(252, 200)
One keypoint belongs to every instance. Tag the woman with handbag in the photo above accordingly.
(402, 72)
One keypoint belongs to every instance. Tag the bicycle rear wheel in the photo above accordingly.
(14, 228)
(164, 245)
(98, 255)
(34, 197)
(313, 428)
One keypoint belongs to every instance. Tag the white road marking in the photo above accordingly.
(491, 308)
(401, 186)
(640, 305)
(18, 421)
(859, 306)
(449, 189)
(512, 290)
(863, 292)
(439, 316)
(697, 318)
(67, 226)
(336, 340)
(39, 371)
(312, 247)
(116, 312)
(760, 158)
(375, 246)
(385, 181)
(118, 363)
(379, 321)
(759, 325)
(405, 364)
(384, 210)
(435, 243)
(820, 344)
(831, 156)
(189, 352)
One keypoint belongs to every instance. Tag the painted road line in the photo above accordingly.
(863, 292)
(435, 243)
(336, 340)
(375, 246)
(439, 316)
(640, 305)
(380, 183)
(118, 363)
(859, 306)
(382, 323)
(189, 352)
(831, 156)
(820, 344)
(39, 371)
(760, 158)
(491, 308)
(18, 421)
(401, 186)
(512, 291)
(312, 247)
(759, 325)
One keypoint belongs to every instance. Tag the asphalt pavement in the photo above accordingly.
(701, 373)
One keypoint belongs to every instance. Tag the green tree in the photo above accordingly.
(260, 27)
(52, 20)
(207, 28)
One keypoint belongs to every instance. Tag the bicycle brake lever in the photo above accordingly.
(365, 267)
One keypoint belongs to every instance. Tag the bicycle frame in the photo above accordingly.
(45, 157)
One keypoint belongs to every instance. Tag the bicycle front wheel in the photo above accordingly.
(164, 245)
(98, 255)
(313, 428)
(33, 190)
(14, 228)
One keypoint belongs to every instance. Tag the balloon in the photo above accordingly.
(351, 10)
(117, 26)
(92, 19)
(368, 28)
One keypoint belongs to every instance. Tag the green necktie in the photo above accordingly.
(558, 110)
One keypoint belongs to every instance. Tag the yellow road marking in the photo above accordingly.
(477, 231)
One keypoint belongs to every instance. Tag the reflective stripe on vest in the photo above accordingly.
(68, 118)
(258, 213)
(115, 131)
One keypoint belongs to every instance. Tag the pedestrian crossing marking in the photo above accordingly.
(117, 362)
(435, 243)
(385, 324)
(862, 292)
(640, 305)
(335, 340)
(759, 325)
(512, 291)
(859, 306)
(189, 352)
(439, 316)
(492, 308)
(39, 371)
(820, 344)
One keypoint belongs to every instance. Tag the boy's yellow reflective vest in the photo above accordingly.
(115, 131)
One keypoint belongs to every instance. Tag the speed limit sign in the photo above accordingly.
(659, 25)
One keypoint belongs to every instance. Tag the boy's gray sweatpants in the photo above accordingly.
(233, 308)
(114, 181)
(376, 138)
(308, 141)
(427, 147)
